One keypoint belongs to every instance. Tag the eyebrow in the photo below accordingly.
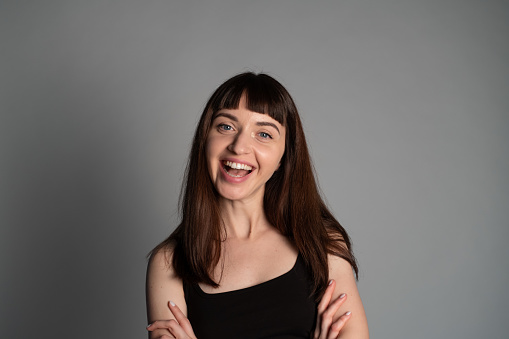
(266, 123)
(226, 115)
(234, 118)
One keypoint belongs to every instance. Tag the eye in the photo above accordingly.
(224, 127)
(265, 135)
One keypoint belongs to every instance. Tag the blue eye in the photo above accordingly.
(265, 135)
(225, 127)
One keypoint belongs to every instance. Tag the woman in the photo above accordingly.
(257, 248)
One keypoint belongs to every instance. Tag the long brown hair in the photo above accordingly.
(292, 201)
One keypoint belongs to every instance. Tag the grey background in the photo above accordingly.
(406, 109)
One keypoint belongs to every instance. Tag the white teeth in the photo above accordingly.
(236, 165)
(235, 176)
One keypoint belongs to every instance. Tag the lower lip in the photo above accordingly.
(233, 180)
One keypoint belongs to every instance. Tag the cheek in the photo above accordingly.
(213, 149)
(210, 148)
(271, 158)
(281, 152)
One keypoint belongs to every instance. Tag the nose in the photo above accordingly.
(241, 144)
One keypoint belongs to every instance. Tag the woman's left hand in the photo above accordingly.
(180, 327)
(325, 327)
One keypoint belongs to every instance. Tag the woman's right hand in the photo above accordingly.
(179, 328)
(326, 328)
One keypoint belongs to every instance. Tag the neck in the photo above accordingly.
(243, 219)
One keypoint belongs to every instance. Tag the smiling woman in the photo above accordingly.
(257, 253)
(243, 147)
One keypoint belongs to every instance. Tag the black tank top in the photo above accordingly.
(278, 308)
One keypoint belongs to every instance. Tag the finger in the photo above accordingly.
(338, 325)
(327, 296)
(161, 334)
(182, 319)
(159, 324)
(177, 331)
(322, 306)
(328, 315)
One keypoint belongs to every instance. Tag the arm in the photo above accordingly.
(162, 286)
(357, 325)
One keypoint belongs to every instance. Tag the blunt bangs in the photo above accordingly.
(263, 95)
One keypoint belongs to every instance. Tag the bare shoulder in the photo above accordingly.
(341, 271)
(161, 261)
(163, 285)
(340, 268)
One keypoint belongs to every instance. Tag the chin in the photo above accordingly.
(231, 196)
(236, 195)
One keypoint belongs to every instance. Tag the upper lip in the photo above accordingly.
(238, 161)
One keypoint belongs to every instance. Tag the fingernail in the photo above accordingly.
(149, 325)
(342, 295)
(348, 313)
(330, 282)
(172, 303)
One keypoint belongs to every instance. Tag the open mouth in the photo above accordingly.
(236, 170)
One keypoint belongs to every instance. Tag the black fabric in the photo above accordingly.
(279, 308)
